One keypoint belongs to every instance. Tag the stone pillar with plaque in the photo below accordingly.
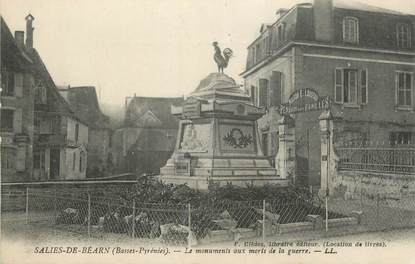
(285, 159)
(218, 139)
(329, 158)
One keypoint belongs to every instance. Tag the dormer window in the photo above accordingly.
(281, 33)
(403, 35)
(351, 30)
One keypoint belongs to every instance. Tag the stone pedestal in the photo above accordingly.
(217, 139)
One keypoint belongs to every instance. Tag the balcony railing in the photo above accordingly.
(394, 160)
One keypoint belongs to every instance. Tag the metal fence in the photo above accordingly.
(52, 213)
(399, 160)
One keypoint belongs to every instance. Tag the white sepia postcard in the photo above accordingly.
(185, 131)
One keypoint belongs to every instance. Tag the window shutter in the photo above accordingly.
(353, 86)
(253, 95)
(396, 88)
(18, 84)
(338, 86)
(276, 88)
(364, 87)
(17, 121)
(263, 93)
(21, 159)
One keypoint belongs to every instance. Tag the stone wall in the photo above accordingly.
(352, 184)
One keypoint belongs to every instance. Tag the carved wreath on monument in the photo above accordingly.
(237, 139)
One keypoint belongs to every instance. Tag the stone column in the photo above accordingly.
(329, 157)
(285, 159)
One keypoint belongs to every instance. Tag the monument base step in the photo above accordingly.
(202, 183)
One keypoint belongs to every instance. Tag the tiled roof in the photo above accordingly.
(84, 102)
(159, 107)
(42, 72)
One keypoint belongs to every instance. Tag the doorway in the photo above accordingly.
(54, 163)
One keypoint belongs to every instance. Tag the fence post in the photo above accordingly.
(89, 215)
(263, 220)
(133, 231)
(27, 205)
(327, 210)
(55, 203)
(361, 194)
(377, 205)
(189, 220)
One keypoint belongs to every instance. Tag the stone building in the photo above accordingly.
(60, 137)
(84, 101)
(356, 59)
(147, 137)
(17, 103)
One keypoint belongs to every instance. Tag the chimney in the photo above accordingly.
(281, 12)
(29, 31)
(19, 37)
(323, 20)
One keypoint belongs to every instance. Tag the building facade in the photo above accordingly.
(17, 103)
(147, 138)
(355, 59)
(60, 137)
(84, 102)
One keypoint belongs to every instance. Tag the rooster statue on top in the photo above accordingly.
(221, 61)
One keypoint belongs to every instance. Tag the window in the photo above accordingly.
(363, 87)
(257, 53)
(404, 91)
(40, 94)
(281, 33)
(403, 35)
(36, 123)
(7, 118)
(20, 158)
(351, 30)
(8, 158)
(56, 125)
(39, 160)
(7, 84)
(80, 161)
(76, 132)
(350, 86)
(276, 88)
(73, 160)
(263, 93)
(253, 55)
(267, 46)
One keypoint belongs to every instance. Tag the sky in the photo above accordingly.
(158, 48)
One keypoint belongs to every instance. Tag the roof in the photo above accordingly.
(342, 4)
(11, 56)
(152, 112)
(60, 104)
(84, 102)
(355, 5)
